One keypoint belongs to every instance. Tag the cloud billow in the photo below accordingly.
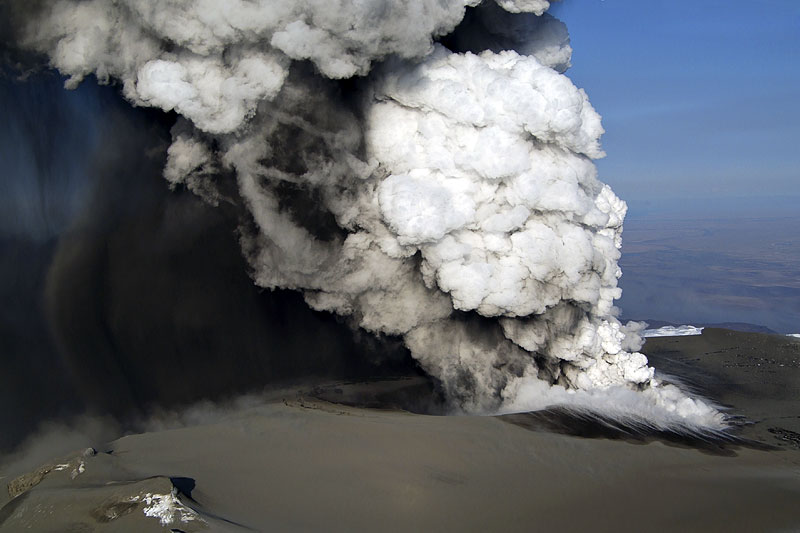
(425, 179)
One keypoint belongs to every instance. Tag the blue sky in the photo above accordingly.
(701, 106)
(699, 99)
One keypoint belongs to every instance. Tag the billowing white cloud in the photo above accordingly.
(447, 197)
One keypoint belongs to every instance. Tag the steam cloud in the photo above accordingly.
(421, 167)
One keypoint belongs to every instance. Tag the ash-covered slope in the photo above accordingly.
(756, 375)
(304, 464)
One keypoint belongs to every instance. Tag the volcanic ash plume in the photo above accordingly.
(444, 193)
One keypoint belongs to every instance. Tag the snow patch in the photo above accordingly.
(78, 470)
(166, 507)
(673, 331)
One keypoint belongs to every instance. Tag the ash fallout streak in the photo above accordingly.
(137, 297)
(421, 169)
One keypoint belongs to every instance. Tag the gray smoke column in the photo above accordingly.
(444, 193)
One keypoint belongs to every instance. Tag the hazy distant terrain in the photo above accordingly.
(714, 268)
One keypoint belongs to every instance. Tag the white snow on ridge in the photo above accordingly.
(672, 331)
(793, 335)
(166, 507)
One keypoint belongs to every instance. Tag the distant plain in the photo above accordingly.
(721, 263)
